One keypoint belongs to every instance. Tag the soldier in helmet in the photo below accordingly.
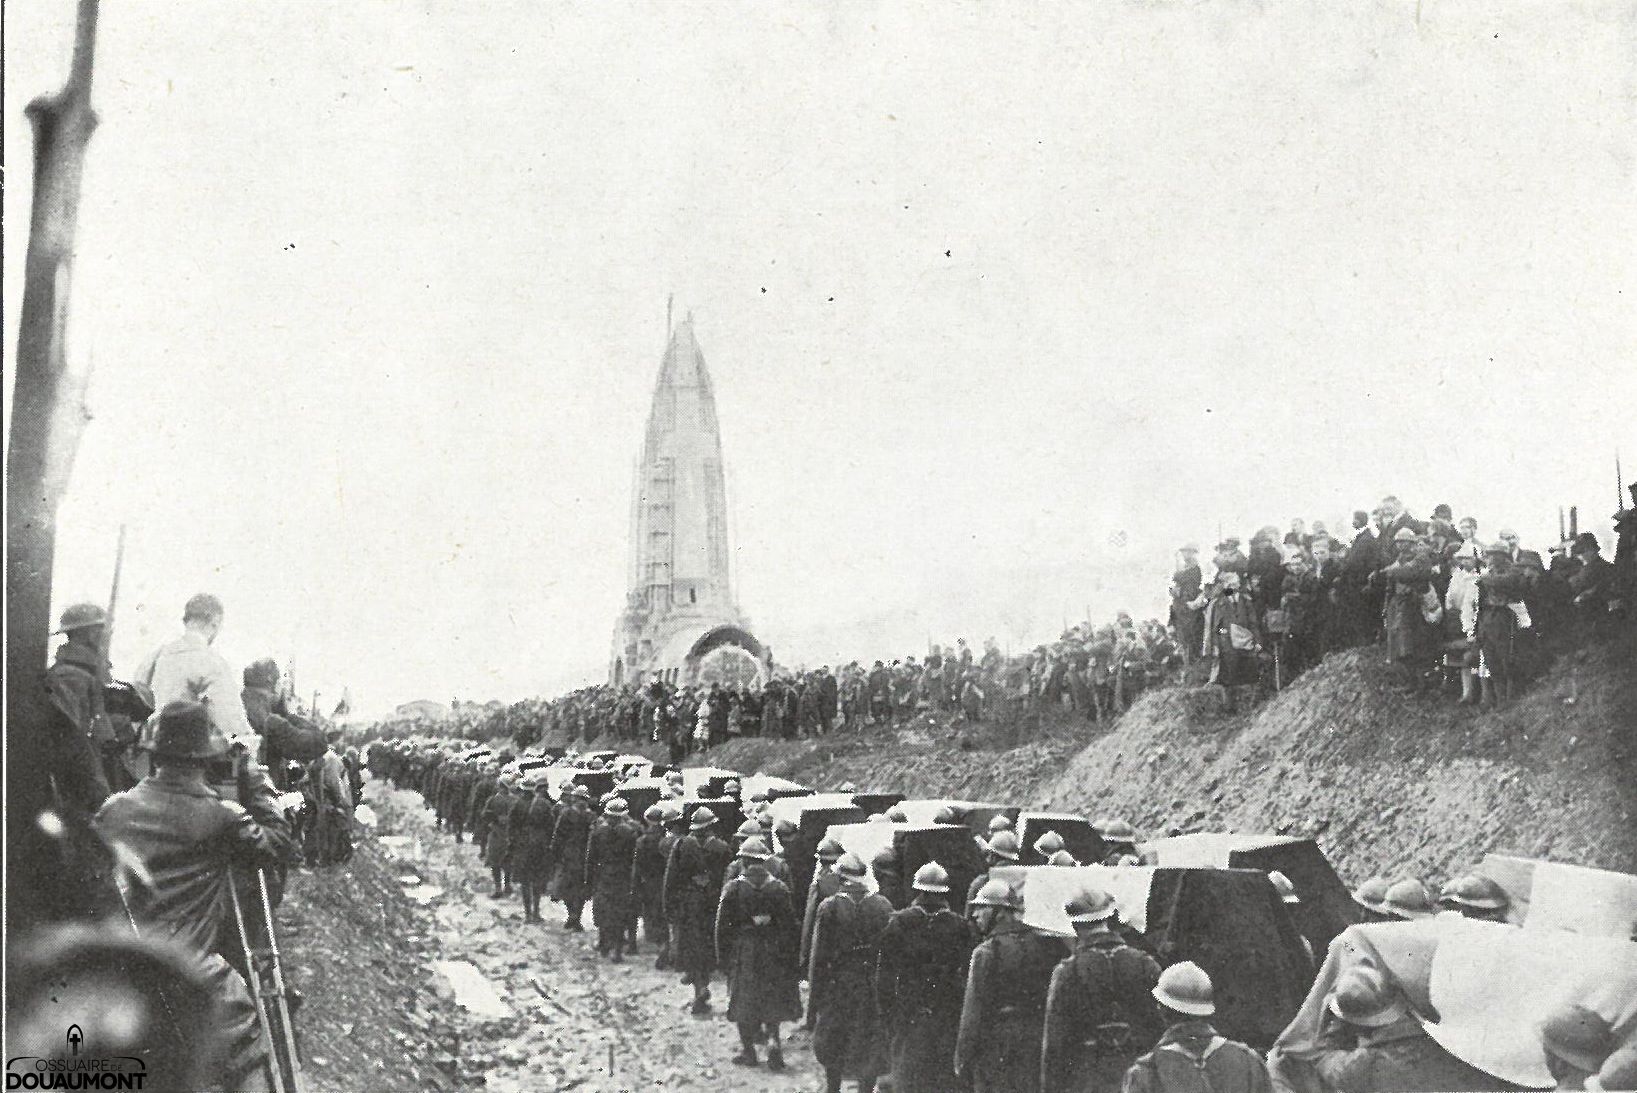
(1099, 1012)
(889, 876)
(568, 846)
(610, 850)
(826, 883)
(75, 681)
(920, 980)
(693, 883)
(1475, 896)
(1190, 1055)
(1119, 840)
(756, 944)
(1370, 1042)
(531, 845)
(847, 1037)
(648, 879)
(1001, 850)
(1003, 1014)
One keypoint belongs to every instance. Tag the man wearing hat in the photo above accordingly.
(188, 668)
(920, 982)
(1001, 850)
(1190, 1054)
(531, 844)
(1372, 1043)
(76, 680)
(1003, 1014)
(610, 852)
(756, 942)
(568, 854)
(175, 840)
(1407, 580)
(1119, 840)
(693, 884)
(826, 883)
(1099, 1009)
(1592, 584)
(848, 1040)
(648, 879)
(1577, 1042)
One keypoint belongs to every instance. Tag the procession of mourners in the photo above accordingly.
(906, 944)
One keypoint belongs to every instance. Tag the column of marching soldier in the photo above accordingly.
(922, 996)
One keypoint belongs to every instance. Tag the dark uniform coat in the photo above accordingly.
(756, 945)
(648, 879)
(1099, 1015)
(1004, 1013)
(568, 846)
(1191, 1056)
(1407, 629)
(848, 1037)
(920, 981)
(693, 882)
(497, 815)
(826, 883)
(610, 854)
(531, 842)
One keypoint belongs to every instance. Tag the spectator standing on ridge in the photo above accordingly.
(1408, 581)
(1186, 618)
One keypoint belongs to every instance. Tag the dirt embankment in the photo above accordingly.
(1388, 782)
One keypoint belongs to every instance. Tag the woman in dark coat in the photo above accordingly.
(497, 851)
(756, 944)
(568, 846)
(531, 850)
(848, 1038)
(609, 857)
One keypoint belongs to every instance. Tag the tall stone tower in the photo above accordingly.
(679, 601)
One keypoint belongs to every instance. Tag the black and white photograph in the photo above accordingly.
(803, 546)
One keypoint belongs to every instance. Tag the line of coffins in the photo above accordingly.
(1266, 916)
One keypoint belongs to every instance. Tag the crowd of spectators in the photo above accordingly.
(1478, 617)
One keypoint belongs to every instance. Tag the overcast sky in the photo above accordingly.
(376, 292)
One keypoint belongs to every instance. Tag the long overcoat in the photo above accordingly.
(693, 883)
(1100, 1015)
(497, 815)
(531, 843)
(920, 981)
(648, 880)
(756, 945)
(568, 846)
(610, 853)
(1003, 1015)
(1407, 628)
(848, 1037)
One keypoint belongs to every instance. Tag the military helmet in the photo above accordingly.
(946, 815)
(1282, 885)
(931, 877)
(878, 818)
(702, 818)
(581, 793)
(1061, 858)
(785, 829)
(850, 865)
(748, 829)
(654, 814)
(885, 858)
(1090, 905)
(1361, 997)
(1370, 894)
(617, 808)
(828, 850)
(1048, 844)
(1186, 988)
(1578, 1036)
(996, 893)
(897, 815)
(1000, 822)
(1004, 845)
(730, 787)
(1408, 899)
(1116, 831)
(754, 849)
(80, 615)
(1474, 891)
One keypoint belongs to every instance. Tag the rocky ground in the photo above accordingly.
(538, 1010)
